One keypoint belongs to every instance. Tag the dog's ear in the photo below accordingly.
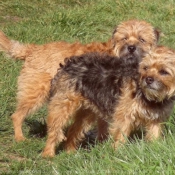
(157, 33)
(114, 32)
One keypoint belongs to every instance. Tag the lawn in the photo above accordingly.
(39, 21)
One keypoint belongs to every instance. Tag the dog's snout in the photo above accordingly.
(149, 80)
(131, 48)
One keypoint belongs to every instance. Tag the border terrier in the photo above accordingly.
(126, 93)
(132, 37)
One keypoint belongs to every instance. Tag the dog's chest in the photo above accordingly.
(140, 111)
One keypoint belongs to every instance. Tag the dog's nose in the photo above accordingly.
(131, 49)
(149, 80)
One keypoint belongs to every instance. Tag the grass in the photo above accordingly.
(41, 21)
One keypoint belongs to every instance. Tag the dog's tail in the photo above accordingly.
(13, 48)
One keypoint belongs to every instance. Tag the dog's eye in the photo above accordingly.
(142, 40)
(124, 39)
(145, 68)
(163, 72)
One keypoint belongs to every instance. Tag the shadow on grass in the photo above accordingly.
(87, 143)
(3, 130)
(38, 129)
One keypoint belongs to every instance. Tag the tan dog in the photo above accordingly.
(94, 85)
(41, 62)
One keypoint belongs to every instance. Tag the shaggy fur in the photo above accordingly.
(95, 86)
(41, 62)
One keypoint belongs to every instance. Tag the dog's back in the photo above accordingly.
(99, 77)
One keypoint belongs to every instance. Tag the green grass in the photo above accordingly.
(40, 21)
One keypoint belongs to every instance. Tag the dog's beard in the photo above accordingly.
(155, 91)
(138, 53)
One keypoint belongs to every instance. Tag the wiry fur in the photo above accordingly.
(41, 62)
(113, 90)
(91, 72)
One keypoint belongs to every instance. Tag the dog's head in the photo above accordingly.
(157, 72)
(134, 38)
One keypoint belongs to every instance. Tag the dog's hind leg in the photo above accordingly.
(60, 110)
(33, 91)
(82, 123)
(102, 130)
